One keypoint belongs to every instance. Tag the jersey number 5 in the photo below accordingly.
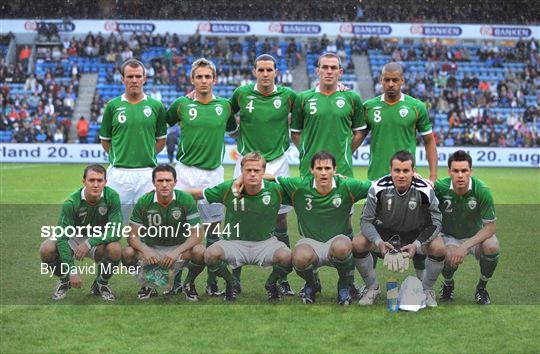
(312, 107)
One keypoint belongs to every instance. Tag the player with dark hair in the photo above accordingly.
(132, 132)
(401, 208)
(468, 225)
(324, 118)
(263, 109)
(165, 235)
(393, 119)
(203, 122)
(94, 205)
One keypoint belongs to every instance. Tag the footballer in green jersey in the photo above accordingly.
(247, 236)
(90, 225)
(202, 129)
(133, 132)
(468, 227)
(203, 122)
(263, 109)
(323, 203)
(326, 119)
(165, 235)
(393, 119)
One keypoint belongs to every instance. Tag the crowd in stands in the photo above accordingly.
(36, 108)
(437, 11)
(479, 110)
(475, 110)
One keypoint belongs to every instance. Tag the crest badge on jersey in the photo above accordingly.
(147, 111)
(176, 214)
(277, 103)
(472, 204)
(102, 210)
(336, 202)
(340, 103)
(219, 110)
(266, 199)
(403, 112)
(412, 204)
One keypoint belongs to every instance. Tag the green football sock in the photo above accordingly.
(178, 277)
(221, 269)
(106, 268)
(448, 274)
(345, 269)
(194, 270)
(211, 277)
(237, 272)
(307, 274)
(278, 272)
(282, 236)
(488, 263)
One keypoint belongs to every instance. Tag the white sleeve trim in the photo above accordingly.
(161, 137)
(192, 216)
(488, 221)
(360, 128)
(104, 138)
(232, 131)
(427, 132)
(296, 130)
(135, 223)
(204, 195)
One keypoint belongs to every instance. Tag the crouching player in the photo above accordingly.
(468, 224)
(403, 205)
(247, 235)
(165, 235)
(323, 202)
(91, 208)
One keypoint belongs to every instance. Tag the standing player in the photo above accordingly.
(264, 109)
(132, 132)
(468, 224)
(247, 235)
(203, 122)
(403, 208)
(393, 119)
(165, 233)
(94, 205)
(322, 202)
(324, 118)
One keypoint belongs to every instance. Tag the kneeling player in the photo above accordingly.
(468, 224)
(247, 235)
(403, 208)
(93, 205)
(165, 235)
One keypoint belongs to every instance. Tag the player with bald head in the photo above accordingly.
(394, 118)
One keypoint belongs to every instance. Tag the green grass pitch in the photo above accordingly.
(30, 195)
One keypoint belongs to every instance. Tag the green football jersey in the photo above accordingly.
(323, 216)
(202, 130)
(165, 225)
(250, 218)
(464, 216)
(326, 122)
(76, 211)
(393, 128)
(132, 130)
(264, 120)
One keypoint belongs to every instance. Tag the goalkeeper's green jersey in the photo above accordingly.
(464, 216)
(76, 211)
(264, 120)
(323, 216)
(251, 217)
(167, 225)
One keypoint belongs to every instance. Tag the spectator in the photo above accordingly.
(82, 130)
